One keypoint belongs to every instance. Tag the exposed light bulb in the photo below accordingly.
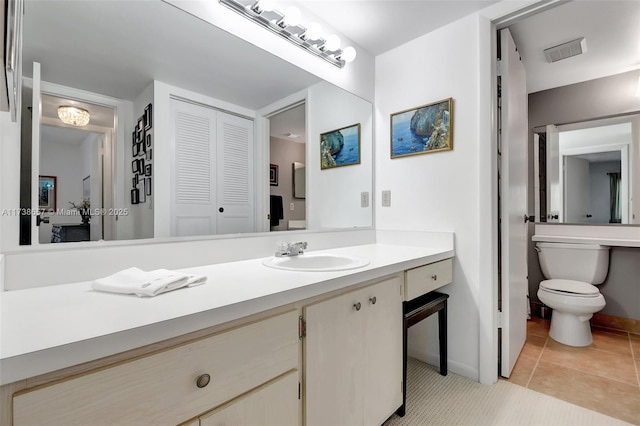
(332, 43)
(291, 16)
(314, 31)
(348, 54)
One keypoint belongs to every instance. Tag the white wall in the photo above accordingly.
(66, 162)
(437, 191)
(333, 195)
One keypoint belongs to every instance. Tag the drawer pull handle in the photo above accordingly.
(203, 380)
(373, 300)
(434, 277)
(357, 306)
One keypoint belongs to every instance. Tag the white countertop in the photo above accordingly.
(48, 328)
(603, 241)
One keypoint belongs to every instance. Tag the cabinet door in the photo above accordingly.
(275, 403)
(383, 351)
(333, 354)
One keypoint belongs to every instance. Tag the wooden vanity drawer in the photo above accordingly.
(161, 388)
(423, 279)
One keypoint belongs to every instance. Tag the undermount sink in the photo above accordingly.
(315, 262)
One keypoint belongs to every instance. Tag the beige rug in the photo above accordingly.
(454, 400)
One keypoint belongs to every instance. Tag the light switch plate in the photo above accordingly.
(386, 198)
(364, 199)
(292, 207)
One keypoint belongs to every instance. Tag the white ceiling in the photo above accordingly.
(287, 122)
(612, 32)
(117, 48)
(381, 25)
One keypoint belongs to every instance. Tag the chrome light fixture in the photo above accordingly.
(287, 26)
(73, 116)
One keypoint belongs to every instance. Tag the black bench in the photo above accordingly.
(414, 311)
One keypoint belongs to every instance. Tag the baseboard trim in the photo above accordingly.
(616, 323)
(453, 366)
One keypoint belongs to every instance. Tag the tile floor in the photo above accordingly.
(604, 377)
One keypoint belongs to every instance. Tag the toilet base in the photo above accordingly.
(571, 329)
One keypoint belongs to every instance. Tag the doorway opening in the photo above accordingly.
(287, 170)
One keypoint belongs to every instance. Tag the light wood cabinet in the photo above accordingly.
(353, 356)
(169, 387)
(423, 279)
(273, 404)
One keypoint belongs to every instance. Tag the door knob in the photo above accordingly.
(221, 209)
(203, 380)
(373, 300)
(357, 306)
(529, 218)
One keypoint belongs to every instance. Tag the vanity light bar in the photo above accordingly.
(261, 17)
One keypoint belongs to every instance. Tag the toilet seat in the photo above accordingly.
(570, 288)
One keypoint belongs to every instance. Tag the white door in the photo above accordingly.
(193, 170)
(576, 189)
(235, 199)
(554, 167)
(513, 203)
(36, 114)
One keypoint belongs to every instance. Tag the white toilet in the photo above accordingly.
(572, 270)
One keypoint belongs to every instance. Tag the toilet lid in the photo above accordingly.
(569, 286)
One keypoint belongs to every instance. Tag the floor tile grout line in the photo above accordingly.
(593, 374)
(537, 362)
(633, 357)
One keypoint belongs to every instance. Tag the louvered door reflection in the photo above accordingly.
(212, 181)
(234, 174)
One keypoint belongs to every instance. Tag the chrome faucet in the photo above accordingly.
(291, 249)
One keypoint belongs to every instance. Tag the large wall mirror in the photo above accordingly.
(585, 171)
(175, 143)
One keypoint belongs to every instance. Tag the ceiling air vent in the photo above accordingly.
(566, 50)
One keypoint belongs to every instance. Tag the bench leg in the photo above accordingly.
(442, 335)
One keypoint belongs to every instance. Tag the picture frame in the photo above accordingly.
(135, 166)
(147, 185)
(47, 193)
(422, 130)
(142, 193)
(149, 155)
(148, 140)
(148, 117)
(135, 196)
(135, 150)
(340, 147)
(273, 174)
(147, 170)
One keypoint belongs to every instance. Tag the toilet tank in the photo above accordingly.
(580, 262)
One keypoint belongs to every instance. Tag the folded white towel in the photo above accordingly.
(143, 283)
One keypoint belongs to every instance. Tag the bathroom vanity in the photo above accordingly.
(252, 345)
